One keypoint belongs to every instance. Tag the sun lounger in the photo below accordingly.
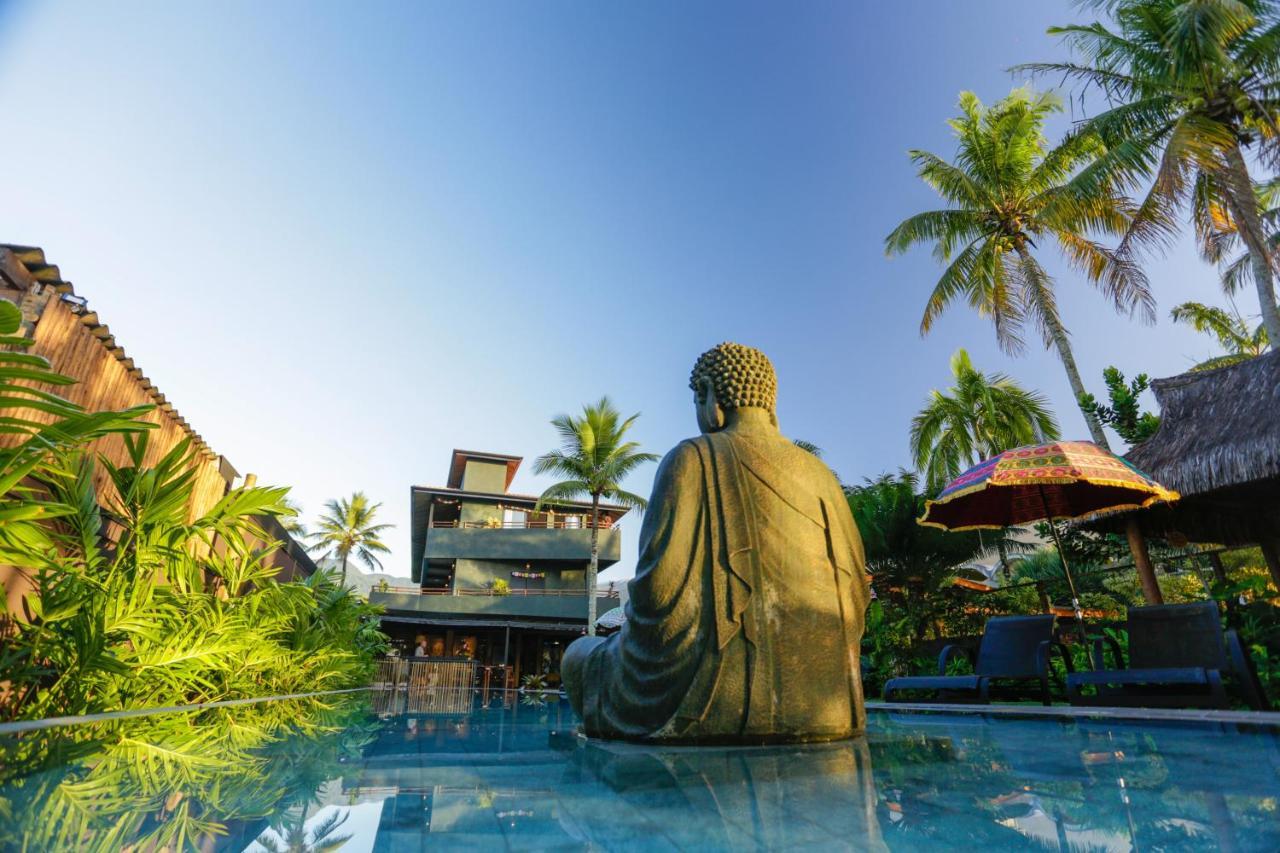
(1179, 657)
(1014, 649)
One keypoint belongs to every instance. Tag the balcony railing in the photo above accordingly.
(552, 524)
(489, 593)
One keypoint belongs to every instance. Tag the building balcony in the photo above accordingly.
(520, 543)
(471, 604)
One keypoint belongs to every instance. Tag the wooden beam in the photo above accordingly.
(1142, 562)
(1271, 553)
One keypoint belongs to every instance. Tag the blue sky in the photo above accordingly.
(344, 239)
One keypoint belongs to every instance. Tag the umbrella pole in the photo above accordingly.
(1062, 555)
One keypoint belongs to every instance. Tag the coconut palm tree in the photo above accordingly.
(1190, 87)
(347, 527)
(292, 522)
(594, 458)
(1008, 196)
(807, 447)
(1219, 237)
(296, 838)
(1228, 327)
(979, 416)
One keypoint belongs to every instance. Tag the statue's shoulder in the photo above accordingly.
(685, 458)
(801, 469)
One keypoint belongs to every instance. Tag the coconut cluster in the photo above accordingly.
(742, 377)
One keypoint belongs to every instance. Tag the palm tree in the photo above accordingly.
(1229, 328)
(594, 459)
(1190, 86)
(979, 416)
(1008, 195)
(292, 522)
(910, 564)
(807, 447)
(1219, 237)
(347, 527)
(297, 838)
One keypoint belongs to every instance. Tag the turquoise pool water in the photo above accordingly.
(516, 777)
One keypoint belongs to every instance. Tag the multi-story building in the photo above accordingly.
(495, 581)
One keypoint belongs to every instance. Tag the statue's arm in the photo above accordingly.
(634, 681)
(670, 534)
(857, 555)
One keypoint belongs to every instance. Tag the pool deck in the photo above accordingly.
(1257, 718)
(1008, 710)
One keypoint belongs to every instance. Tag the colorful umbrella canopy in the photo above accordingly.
(1043, 482)
(1057, 480)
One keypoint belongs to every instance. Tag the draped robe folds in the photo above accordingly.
(746, 612)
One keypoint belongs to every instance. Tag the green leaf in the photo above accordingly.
(10, 318)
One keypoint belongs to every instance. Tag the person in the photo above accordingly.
(421, 649)
(746, 612)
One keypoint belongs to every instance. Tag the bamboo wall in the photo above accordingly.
(69, 335)
(105, 383)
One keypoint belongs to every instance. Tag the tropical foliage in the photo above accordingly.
(594, 458)
(179, 781)
(1191, 89)
(1229, 328)
(913, 572)
(36, 423)
(1125, 414)
(166, 611)
(1008, 195)
(980, 415)
(130, 604)
(347, 527)
(1220, 242)
(808, 447)
(909, 563)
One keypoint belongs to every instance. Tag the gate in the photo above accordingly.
(433, 685)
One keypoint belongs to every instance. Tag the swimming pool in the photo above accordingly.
(515, 776)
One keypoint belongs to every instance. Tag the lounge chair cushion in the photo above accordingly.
(1164, 675)
(935, 682)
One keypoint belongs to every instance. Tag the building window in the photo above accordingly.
(514, 518)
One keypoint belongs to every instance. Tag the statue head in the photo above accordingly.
(730, 378)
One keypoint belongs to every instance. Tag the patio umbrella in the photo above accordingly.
(1059, 480)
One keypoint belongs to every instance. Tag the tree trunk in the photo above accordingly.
(1271, 553)
(1063, 345)
(1077, 386)
(344, 570)
(1244, 210)
(1142, 562)
(594, 568)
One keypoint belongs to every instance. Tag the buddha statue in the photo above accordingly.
(746, 611)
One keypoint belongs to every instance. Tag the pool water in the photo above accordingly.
(515, 776)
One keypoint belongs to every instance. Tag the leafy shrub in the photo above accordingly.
(166, 612)
(1257, 620)
(133, 605)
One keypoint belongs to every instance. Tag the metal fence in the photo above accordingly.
(434, 685)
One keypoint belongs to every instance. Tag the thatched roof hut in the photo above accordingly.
(1219, 446)
(1219, 428)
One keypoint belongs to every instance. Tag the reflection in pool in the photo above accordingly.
(517, 776)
